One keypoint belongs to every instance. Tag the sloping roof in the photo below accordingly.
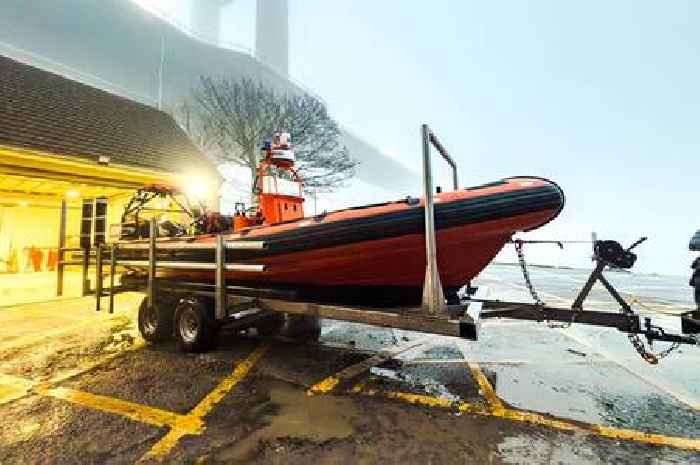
(43, 111)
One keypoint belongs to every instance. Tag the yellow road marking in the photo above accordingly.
(485, 386)
(228, 383)
(138, 412)
(166, 444)
(13, 388)
(91, 365)
(324, 386)
(329, 384)
(537, 419)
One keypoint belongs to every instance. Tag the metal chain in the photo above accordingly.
(530, 287)
(640, 347)
(526, 275)
(635, 339)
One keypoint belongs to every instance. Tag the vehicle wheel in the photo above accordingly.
(303, 327)
(271, 325)
(156, 322)
(697, 293)
(195, 330)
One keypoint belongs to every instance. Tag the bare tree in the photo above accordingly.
(231, 118)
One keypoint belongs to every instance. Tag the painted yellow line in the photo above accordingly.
(162, 447)
(13, 388)
(131, 410)
(324, 386)
(536, 419)
(138, 344)
(485, 386)
(329, 384)
(166, 444)
(228, 383)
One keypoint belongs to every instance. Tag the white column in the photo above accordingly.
(272, 34)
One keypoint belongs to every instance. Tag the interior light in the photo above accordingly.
(23, 203)
(72, 194)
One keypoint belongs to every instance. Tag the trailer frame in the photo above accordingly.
(242, 307)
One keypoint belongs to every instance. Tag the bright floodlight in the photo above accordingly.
(196, 187)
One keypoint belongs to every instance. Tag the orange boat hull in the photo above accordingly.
(378, 252)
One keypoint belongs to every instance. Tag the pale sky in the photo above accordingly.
(601, 97)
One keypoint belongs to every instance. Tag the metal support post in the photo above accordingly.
(60, 266)
(112, 270)
(433, 295)
(98, 276)
(150, 292)
(220, 277)
(595, 274)
(85, 267)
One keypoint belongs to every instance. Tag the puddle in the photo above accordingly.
(364, 337)
(601, 394)
(525, 448)
(440, 352)
(291, 415)
(446, 381)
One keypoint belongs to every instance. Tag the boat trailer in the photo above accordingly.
(242, 307)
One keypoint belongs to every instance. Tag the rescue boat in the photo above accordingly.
(372, 253)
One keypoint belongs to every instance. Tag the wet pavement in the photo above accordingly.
(77, 386)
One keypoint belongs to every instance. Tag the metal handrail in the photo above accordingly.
(441, 149)
(193, 265)
(219, 266)
(231, 245)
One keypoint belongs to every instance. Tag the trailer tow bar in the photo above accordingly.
(606, 254)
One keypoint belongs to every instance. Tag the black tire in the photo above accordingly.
(195, 329)
(697, 293)
(307, 328)
(271, 325)
(156, 323)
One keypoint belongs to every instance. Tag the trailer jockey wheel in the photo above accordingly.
(195, 329)
(156, 322)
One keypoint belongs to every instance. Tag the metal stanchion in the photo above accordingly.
(98, 277)
(153, 230)
(60, 266)
(112, 270)
(85, 267)
(220, 299)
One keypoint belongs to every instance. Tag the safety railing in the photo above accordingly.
(433, 295)
(110, 253)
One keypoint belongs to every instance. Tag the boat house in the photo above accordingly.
(62, 144)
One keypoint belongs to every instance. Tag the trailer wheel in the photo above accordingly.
(156, 322)
(271, 325)
(307, 328)
(195, 330)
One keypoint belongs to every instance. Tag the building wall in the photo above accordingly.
(116, 45)
(22, 228)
